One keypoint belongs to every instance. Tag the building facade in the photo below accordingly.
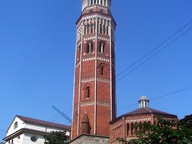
(122, 127)
(25, 130)
(94, 101)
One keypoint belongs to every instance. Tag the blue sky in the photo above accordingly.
(37, 49)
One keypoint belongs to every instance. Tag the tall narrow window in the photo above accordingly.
(89, 48)
(87, 92)
(127, 129)
(104, 30)
(132, 128)
(102, 71)
(100, 28)
(15, 125)
(91, 28)
(101, 48)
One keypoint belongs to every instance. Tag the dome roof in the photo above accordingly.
(143, 98)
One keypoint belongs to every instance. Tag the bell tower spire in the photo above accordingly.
(94, 80)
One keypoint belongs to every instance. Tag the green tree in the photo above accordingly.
(163, 132)
(56, 137)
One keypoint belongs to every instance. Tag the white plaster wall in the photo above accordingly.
(11, 128)
(17, 140)
(42, 128)
(26, 137)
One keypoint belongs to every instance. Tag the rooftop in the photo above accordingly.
(42, 122)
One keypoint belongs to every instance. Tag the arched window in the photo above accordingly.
(15, 125)
(100, 28)
(107, 30)
(127, 129)
(91, 28)
(89, 48)
(105, 2)
(101, 47)
(132, 128)
(101, 70)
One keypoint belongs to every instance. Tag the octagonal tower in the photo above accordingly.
(94, 81)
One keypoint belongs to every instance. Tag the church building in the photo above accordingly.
(123, 126)
(94, 118)
(94, 99)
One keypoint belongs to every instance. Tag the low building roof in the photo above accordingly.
(146, 110)
(42, 122)
(143, 111)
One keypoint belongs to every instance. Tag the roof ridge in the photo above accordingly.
(145, 110)
(41, 122)
(148, 109)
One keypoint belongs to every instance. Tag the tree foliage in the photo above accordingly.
(56, 137)
(163, 132)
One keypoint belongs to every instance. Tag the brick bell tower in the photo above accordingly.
(94, 101)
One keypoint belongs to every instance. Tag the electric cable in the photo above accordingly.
(155, 48)
(155, 53)
(147, 55)
(158, 97)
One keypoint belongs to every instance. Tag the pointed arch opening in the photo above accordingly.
(101, 69)
(101, 47)
(89, 47)
(87, 91)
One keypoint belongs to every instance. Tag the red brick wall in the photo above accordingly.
(94, 74)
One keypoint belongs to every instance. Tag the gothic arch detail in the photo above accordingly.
(101, 48)
(87, 91)
(89, 47)
(101, 69)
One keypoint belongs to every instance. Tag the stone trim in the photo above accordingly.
(90, 139)
(136, 120)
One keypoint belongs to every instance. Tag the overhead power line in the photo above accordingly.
(151, 51)
(140, 62)
(160, 50)
(158, 97)
(2, 131)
